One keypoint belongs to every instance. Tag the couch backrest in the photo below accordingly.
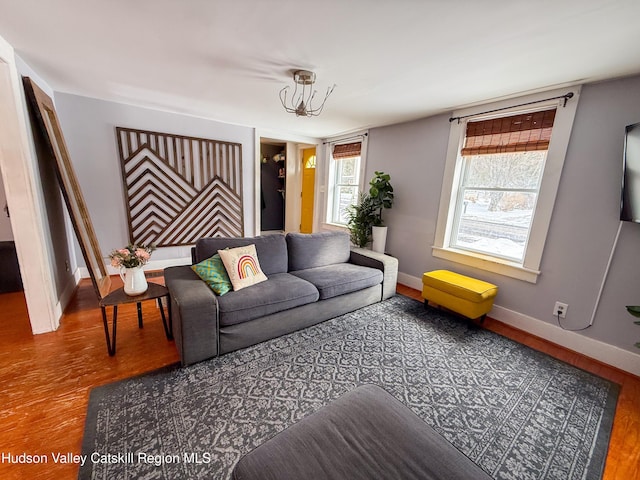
(317, 249)
(271, 250)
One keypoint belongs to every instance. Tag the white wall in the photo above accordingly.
(582, 230)
(88, 125)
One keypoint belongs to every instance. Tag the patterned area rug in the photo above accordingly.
(517, 413)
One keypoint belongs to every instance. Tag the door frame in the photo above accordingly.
(17, 160)
(293, 181)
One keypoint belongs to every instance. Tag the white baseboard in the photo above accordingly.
(410, 281)
(66, 295)
(603, 352)
(152, 265)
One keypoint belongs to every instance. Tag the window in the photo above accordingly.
(311, 162)
(499, 185)
(502, 176)
(344, 178)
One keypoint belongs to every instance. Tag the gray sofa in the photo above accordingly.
(311, 278)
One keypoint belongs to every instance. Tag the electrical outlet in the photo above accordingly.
(560, 309)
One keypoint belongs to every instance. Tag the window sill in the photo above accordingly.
(334, 226)
(490, 264)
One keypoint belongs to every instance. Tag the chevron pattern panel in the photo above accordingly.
(179, 189)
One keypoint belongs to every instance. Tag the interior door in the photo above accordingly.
(308, 185)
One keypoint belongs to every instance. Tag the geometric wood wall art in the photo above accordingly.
(179, 189)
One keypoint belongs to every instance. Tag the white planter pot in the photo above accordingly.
(379, 235)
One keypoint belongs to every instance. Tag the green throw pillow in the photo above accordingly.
(212, 271)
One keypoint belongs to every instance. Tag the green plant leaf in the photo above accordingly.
(638, 345)
(360, 218)
(381, 193)
(634, 310)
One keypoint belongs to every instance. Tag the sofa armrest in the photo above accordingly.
(386, 263)
(194, 314)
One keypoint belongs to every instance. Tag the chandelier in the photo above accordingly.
(301, 101)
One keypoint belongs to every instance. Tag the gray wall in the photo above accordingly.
(89, 125)
(583, 227)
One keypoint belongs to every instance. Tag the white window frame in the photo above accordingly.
(529, 269)
(331, 172)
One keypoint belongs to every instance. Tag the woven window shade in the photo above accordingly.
(517, 133)
(347, 150)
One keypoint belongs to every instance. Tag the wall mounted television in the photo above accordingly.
(630, 205)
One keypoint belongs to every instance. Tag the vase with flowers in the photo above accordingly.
(130, 261)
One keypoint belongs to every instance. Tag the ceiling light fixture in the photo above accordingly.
(301, 102)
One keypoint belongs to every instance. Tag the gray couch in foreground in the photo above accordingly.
(311, 278)
(366, 434)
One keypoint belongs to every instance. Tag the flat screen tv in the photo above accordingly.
(630, 207)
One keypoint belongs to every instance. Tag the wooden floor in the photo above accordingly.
(45, 380)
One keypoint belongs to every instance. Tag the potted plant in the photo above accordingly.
(129, 260)
(381, 193)
(361, 217)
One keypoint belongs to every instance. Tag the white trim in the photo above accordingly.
(293, 180)
(17, 162)
(293, 187)
(68, 292)
(334, 226)
(488, 263)
(410, 281)
(594, 349)
(529, 270)
(257, 208)
(329, 170)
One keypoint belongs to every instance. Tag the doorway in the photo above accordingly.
(279, 168)
(273, 187)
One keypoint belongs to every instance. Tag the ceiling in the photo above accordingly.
(391, 60)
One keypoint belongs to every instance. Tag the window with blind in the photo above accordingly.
(345, 165)
(503, 160)
(499, 189)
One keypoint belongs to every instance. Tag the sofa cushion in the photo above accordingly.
(317, 249)
(214, 273)
(242, 266)
(334, 280)
(281, 291)
(271, 250)
(366, 434)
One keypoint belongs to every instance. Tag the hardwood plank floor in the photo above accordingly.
(45, 380)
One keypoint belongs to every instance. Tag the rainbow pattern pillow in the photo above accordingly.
(242, 266)
(214, 273)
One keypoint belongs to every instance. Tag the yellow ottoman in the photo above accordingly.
(464, 295)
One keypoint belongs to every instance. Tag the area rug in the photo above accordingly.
(517, 413)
